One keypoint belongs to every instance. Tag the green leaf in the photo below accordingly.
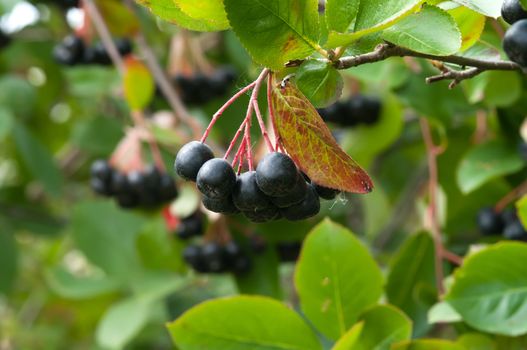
(490, 289)
(69, 286)
(428, 344)
(486, 162)
(263, 279)
(106, 235)
(502, 89)
(242, 323)
(99, 135)
(38, 160)
(138, 84)
(340, 14)
(521, 205)
(470, 24)
(168, 11)
(211, 11)
(373, 16)
(7, 122)
(310, 143)
(443, 312)
(523, 3)
(418, 32)
(475, 341)
(336, 279)
(275, 31)
(348, 340)
(320, 82)
(411, 269)
(8, 260)
(381, 326)
(485, 7)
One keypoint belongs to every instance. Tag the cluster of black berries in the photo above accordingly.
(147, 189)
(515, 40)
(357, 110)
(73, 51)
(276, 189)
(215, 258)
(288, 251)
(191, 226)
(199, 89)
(505, 223)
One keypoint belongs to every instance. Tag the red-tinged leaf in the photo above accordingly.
(138, 84)
(309, 142)
(120, 19)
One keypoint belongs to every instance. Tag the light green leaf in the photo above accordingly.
(340, 14)
(38, 160)
(336, 279)
(428, 344)
(486, 162)
(168, 11)
(211, 11)
(348, 340)
(470, 24)
(242, 323)
(476, 341)
(381, 326)
(502, 89)
(106, 235)
(485, 7)
(275, 31)
(418, 32)
(263, 279)
(490, 289)
(69, 286)
(443, 312)
(138, 84)
(320, 82)
(413, 268)
(521, 205)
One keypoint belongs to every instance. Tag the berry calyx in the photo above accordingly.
(216, 179)
(515, 42)
(276, 174)
(191, 158)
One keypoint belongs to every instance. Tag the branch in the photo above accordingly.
(385, 51)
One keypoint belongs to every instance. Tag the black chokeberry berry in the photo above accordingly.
(216, 178)
(70, 51)
(101, 187)
(167, 189)
(288, 251)
(309, 207)
(515, 42)
(263, 215)
(100, 55)
(124, 46)
(297, 194)
(522, 149)
(247, 196)
(512, 11)
(191, 158)
(127, 200)
(119, 183)
(212, 254)
(193, 255)
(276, 174)
(325, 192)
(371, 110)
(489, 221)
(515, 231)
(5, 39)
(101, 170)
(223, 205)
(190, 226)
(508, 216)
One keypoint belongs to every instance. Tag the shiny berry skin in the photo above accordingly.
(276, 174)
(190, 227)
(119, 183)
(167, 189)
(297, 195)
(101, 170)
(100, 187)
(512, 11)
(223, 205)
(489, 222)
(325, 192)
(191, 158)
(515, 231)
(193, 255)
(309, 207)
(288, 251)
(70, 51)
(247, 196)
(263, 215)
(515, 43)
(212, 255)
(216, 179)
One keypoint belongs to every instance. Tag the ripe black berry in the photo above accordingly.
(127, 200)
(101, 170)
(212, 255)
(100, 55)
(167, 189)
(326, 193)
(223, 205)
(297, 195)
(309, 207)
(190, 226)
(70, 51)
(5, 40)
(191, 158)
(119, 183)
(522, 149)
(247, 196)
(193, 255)
(515, 42)
(508, 216)
(489, 222)
(100, 187)
(515, 231)
(216, 178)
(288, 251)
(512, 11)
(263, 215)
(276, 174)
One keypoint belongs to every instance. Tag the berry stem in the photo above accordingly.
(239, 153)
(247, 138)
(139, 119)
(271, 109)
(234, 139)
(511, 196)
(220, 111)
(262, 126)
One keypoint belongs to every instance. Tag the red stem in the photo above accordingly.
(271, 110)
(220, 111)
(262, 126)
(234, 139)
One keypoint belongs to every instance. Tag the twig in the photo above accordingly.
(511, 196)
(160, 77)
(384, 51)
(455, 75)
